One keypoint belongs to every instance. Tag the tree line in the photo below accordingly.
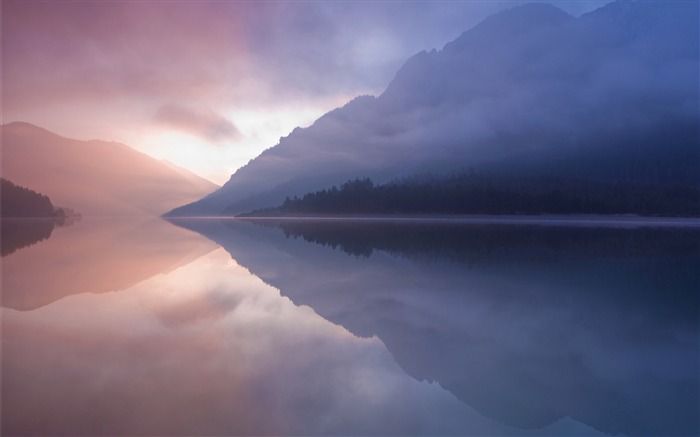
(19, 201)
(472, 193)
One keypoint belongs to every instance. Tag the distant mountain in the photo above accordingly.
(531, 91)
(96, 178)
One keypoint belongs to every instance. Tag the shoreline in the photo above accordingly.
(580, 220)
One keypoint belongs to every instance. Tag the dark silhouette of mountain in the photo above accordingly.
(96, 178)
(22, 202)
(609, 97)
(28, 217)
(525, 324)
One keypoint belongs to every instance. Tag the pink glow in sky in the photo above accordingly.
(209, 85)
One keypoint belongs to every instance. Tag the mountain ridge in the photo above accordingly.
(96, 178)
(579, 89)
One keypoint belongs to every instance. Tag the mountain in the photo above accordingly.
(95, 178)
(531, 91)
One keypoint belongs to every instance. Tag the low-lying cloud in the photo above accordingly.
(207, 125)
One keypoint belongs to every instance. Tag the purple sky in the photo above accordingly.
(209, 85)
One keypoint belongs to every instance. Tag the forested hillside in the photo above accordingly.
(485, 194)
(22, 202)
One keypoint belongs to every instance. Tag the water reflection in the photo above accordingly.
(209, 349)
(354, 330)
(93, 255)
(17, 233)
(525, 325)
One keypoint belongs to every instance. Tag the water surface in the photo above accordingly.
(231, 327)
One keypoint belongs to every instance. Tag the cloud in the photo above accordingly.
(101, 69)
(207, 307)
(216, 51)
(204, 124)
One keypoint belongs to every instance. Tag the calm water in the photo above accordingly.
(302, 327)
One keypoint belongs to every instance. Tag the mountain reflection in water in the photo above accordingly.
(318, 328)
(527, 325)
(209, 349)
(17, 233)
(92, 255)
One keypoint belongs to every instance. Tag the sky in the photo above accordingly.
(209, 85)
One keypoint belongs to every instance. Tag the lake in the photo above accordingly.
(351, 327)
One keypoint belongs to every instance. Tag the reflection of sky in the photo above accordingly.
(95, 255)
(210, 349)
(525, 333)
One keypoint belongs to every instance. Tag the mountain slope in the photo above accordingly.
(611, 95)
(96, 178)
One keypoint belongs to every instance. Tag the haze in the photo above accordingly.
(210, 85)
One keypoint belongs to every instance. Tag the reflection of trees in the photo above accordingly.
(18, 233)
(477, 244)
(525, 324)
(654, 270)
